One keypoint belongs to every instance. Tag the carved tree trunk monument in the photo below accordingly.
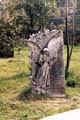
(47, 59)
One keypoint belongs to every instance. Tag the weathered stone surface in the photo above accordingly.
(47, 59)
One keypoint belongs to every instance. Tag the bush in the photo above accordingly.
(71, 79)
(71, 83)
(6, 39)
(6, 47)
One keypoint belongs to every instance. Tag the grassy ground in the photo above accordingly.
(16, 101)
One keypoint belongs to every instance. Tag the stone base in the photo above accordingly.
(47, 93)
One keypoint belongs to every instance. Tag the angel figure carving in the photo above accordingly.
(43, 75)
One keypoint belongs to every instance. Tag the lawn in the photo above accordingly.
(16, 101)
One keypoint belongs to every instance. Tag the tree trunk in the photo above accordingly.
(72, 37)
(69, 52)
(67, 39)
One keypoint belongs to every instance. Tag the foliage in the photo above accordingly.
(71, 83)
(71, 79)
(33, 16)
(9, 34)
(73, 75)
(24, 18)
(6, 43)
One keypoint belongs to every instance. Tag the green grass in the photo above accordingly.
(16, 101)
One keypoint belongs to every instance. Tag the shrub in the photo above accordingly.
(6, 47)
(71, 83)
(71, 79)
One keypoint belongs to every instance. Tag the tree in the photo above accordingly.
(69, 52)
(25, 17)
(8, 33)
(35, 15)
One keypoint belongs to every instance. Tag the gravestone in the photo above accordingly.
(47, 60)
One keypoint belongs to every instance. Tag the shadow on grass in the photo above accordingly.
(27, 95)
(20, 75)
(17, 76)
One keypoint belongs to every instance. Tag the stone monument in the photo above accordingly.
(47, 60)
